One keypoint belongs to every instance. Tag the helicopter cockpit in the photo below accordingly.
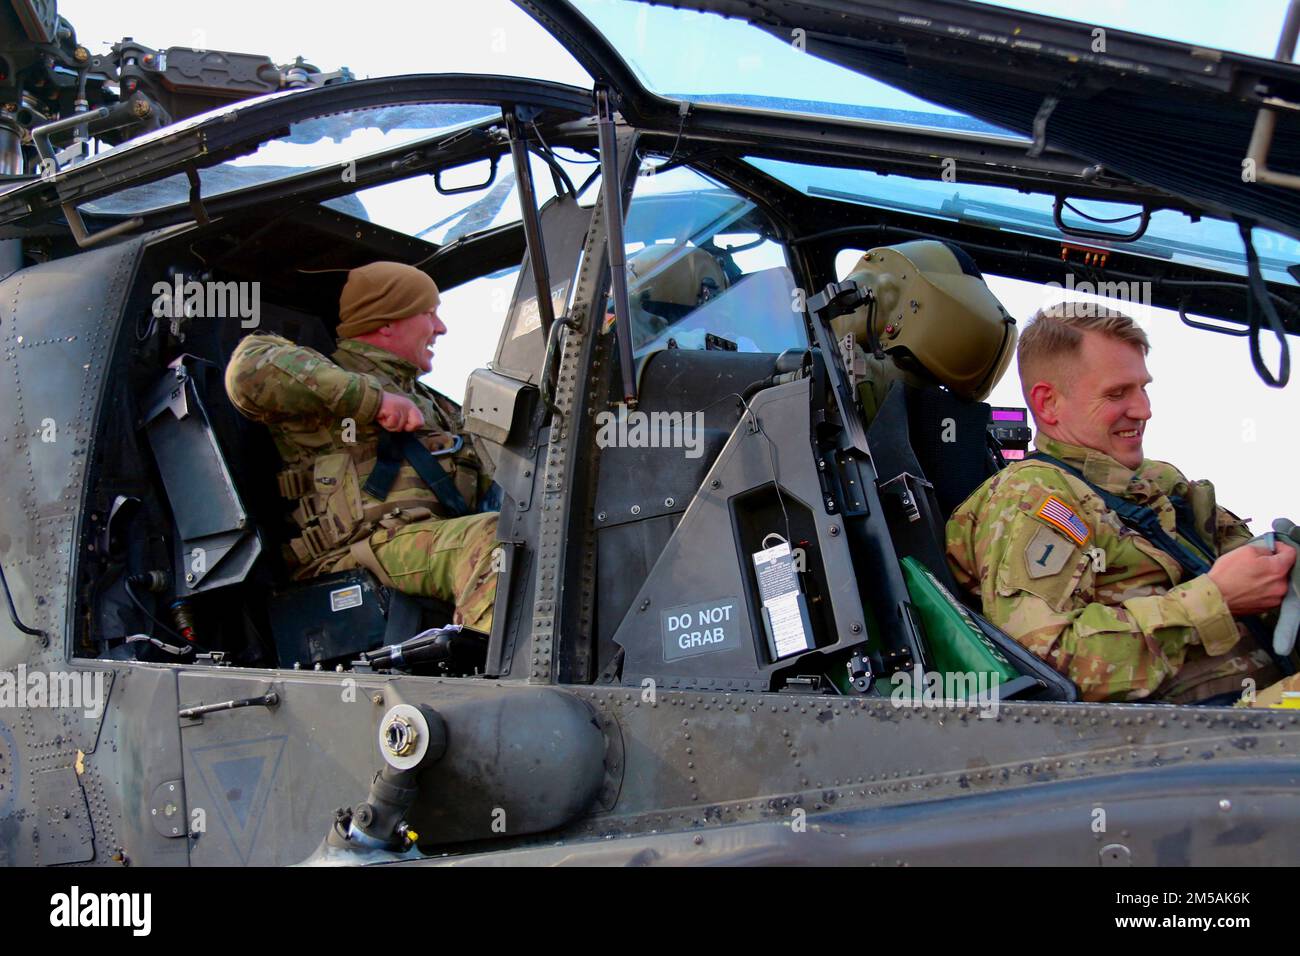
(752, 412)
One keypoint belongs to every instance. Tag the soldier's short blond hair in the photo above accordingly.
(1054, 337)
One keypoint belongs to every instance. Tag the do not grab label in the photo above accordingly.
(693, 629)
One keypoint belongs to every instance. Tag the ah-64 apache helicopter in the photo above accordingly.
(637, 699)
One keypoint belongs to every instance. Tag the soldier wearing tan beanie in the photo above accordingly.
(383, 292)
(326, 416)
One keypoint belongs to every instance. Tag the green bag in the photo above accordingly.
(956, 643)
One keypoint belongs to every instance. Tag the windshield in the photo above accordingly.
(415, 206)
(704, 57)
(685, 55)
(1208, 243)
(1196, 22)
(704, 271)
(337, 139)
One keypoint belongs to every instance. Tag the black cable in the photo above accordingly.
(586, 183)
(547, 147)
(753, 388)
(757, 387)
(146, 612)
(161, 645)
(683, 109)
(1083, 215)
(143, 335)
(771, 457)
(557, 171)
(1259, 300)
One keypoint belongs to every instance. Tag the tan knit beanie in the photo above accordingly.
(383, 292)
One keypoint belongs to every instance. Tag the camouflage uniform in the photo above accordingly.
(1094, 599)
(313, 406)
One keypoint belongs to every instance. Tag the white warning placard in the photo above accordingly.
(778, 588)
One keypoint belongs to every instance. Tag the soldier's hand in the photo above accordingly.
(1252, 580)
(397, 413)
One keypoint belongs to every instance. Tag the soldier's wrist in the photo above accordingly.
(372, 398)
(1209, 613)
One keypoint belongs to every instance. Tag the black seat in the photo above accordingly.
(931, 450)
(247, 446)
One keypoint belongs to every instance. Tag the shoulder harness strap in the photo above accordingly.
(1194, 561)
(396, 446)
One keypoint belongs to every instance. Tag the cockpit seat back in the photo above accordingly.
(931, 450)
(218, 538)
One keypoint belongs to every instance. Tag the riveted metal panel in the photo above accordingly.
(140, 751)
(61, 831)
(269, 779)
(706, 760)
(564, 457)
(704, 562)
(1167, 817)
(57, 325)
(57, 322)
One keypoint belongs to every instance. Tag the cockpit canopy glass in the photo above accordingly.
(706, 58)
(1171, 236)
(311, 143)
(704, 271)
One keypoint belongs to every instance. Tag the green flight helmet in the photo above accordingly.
(933, 313)
(667, 282)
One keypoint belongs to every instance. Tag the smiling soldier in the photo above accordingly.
(372, 458)
(1113, 568)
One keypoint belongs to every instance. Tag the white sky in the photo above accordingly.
(1212, 415)
(377, 38)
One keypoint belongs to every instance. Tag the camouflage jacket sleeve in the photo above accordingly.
(271, 379)
(1040, 586)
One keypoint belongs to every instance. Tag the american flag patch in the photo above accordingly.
(1060, 516)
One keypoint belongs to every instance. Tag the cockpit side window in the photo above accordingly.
(704, 271)
(473, 312)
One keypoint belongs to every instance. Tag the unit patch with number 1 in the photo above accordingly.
(1047, 553)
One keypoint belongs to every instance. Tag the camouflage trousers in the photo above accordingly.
(451, 559)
